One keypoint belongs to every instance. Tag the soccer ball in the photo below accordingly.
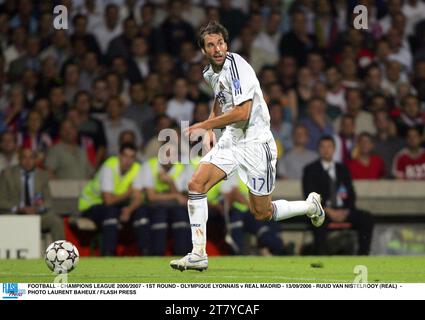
(61, 256)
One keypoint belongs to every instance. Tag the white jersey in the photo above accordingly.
(233, 85)
(248, 146)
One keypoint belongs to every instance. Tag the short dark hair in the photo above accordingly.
(159, 96)
(213, 27)
(296, 10)
(274, 102)
(97, 80)
(137, 83)
(327, 138)
(276, 12)
(348, 116)
(123, 133)
(407, 97)
(315, 98)
(378, 95)
(77, 17)
(111, 6)
(115, 99)
(81, 93)
(351, 90)
(415, 129)
(301, 126)
(128, 145)
(8, 132)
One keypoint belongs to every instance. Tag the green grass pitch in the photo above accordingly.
(224, 269)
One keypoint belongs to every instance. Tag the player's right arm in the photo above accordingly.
(215, 110)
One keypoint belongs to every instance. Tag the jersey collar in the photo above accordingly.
(227, 62)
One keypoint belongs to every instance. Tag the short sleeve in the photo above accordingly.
(242, 78)
(147, 176)
(106, 178)
(139, 181)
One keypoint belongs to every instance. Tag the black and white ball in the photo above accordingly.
(62, 256)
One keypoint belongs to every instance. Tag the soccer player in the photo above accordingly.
(247, 146)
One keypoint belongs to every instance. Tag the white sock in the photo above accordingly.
(197, 206)
(284, 209)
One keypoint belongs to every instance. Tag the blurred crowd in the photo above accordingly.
(133, 67)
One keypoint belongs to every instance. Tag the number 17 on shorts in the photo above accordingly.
(261, 185)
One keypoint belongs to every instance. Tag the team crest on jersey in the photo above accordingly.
(221, 98)
(236, 84)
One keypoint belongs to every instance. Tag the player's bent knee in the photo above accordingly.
(196, 186)
(261, 215)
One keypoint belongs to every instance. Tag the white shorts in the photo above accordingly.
(254, 161)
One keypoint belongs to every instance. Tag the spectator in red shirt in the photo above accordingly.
(366, 165)
(409, 162)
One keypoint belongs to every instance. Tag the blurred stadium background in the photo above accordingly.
(124, 70)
